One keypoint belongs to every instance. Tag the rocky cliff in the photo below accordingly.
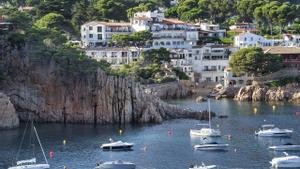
(264, 93)
(257, 92)
(53, 95)
(8, 115)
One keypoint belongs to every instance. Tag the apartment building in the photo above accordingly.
(210, 30)
(115, 56)
(95, 34)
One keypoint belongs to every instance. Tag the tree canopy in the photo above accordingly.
(254, 61)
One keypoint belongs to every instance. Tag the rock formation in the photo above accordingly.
(44, 88)
(264, 93)
(8, 116)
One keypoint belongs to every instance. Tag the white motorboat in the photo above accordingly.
(271, 131)
(286, 162)
(211, 146)
(118, 145)
(203, 166)
(31, 163)
(286, 147)
(206, 131)
(116, 165)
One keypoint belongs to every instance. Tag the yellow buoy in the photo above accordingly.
(64, 142)
(255, 110)
(274, 107)
(120, 131)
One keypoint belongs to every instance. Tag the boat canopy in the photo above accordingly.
(268, 126)
(29, 161)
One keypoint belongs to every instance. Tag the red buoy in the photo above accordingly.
(51, 154)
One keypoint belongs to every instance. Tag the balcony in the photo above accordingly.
(291, 61)
(210, 70)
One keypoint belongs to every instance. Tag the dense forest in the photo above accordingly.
(272, 16)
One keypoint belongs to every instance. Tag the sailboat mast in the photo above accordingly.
(38, 138)
(209, 116)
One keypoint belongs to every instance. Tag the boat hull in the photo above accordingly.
(211, 147)
(285, 148)
(116, 166)
(116, 148)
(273, 134)
(33, 166)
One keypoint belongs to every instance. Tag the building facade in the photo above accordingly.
(115, 56)
(245, 40)
(95, 34)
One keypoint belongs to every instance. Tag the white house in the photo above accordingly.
(167, 32)
(211, 30)
(115, 56)
(291, 40)
(230, 79)
(95, 33)
(208, 61)
(248, 39)
(211, 62)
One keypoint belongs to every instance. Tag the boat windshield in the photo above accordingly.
(268, 126)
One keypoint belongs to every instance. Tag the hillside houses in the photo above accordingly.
(201, 62)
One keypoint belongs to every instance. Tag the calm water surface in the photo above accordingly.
(168, 145)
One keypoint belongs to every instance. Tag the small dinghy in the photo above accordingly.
(211, 146)
(119, 164)
(286, 162)
(286, 147)
(271, 131)
(203, 166)
(118, 145)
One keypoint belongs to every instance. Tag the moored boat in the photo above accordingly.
(286, 147)
(31, 163)
(206, 131)
(118, 145)
(270, 130)
(211, 146)
(203, 166)
(286, 162)
(119, 164)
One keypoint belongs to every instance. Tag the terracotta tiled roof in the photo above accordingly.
(113, 24)
(173, 21)
(281, 50)
(244, 30)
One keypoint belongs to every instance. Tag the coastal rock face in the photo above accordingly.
(171, 90)
(264, 93)
(8, 115)
(200, 99)
(52, 94)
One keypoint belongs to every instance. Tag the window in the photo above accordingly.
(99, 28)
(90, 35)
(113, 54)
(99, 36)
(90, 28)
(124, 54)
(208, 79)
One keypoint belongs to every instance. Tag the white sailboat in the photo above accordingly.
(31, 163)
(206, 132)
